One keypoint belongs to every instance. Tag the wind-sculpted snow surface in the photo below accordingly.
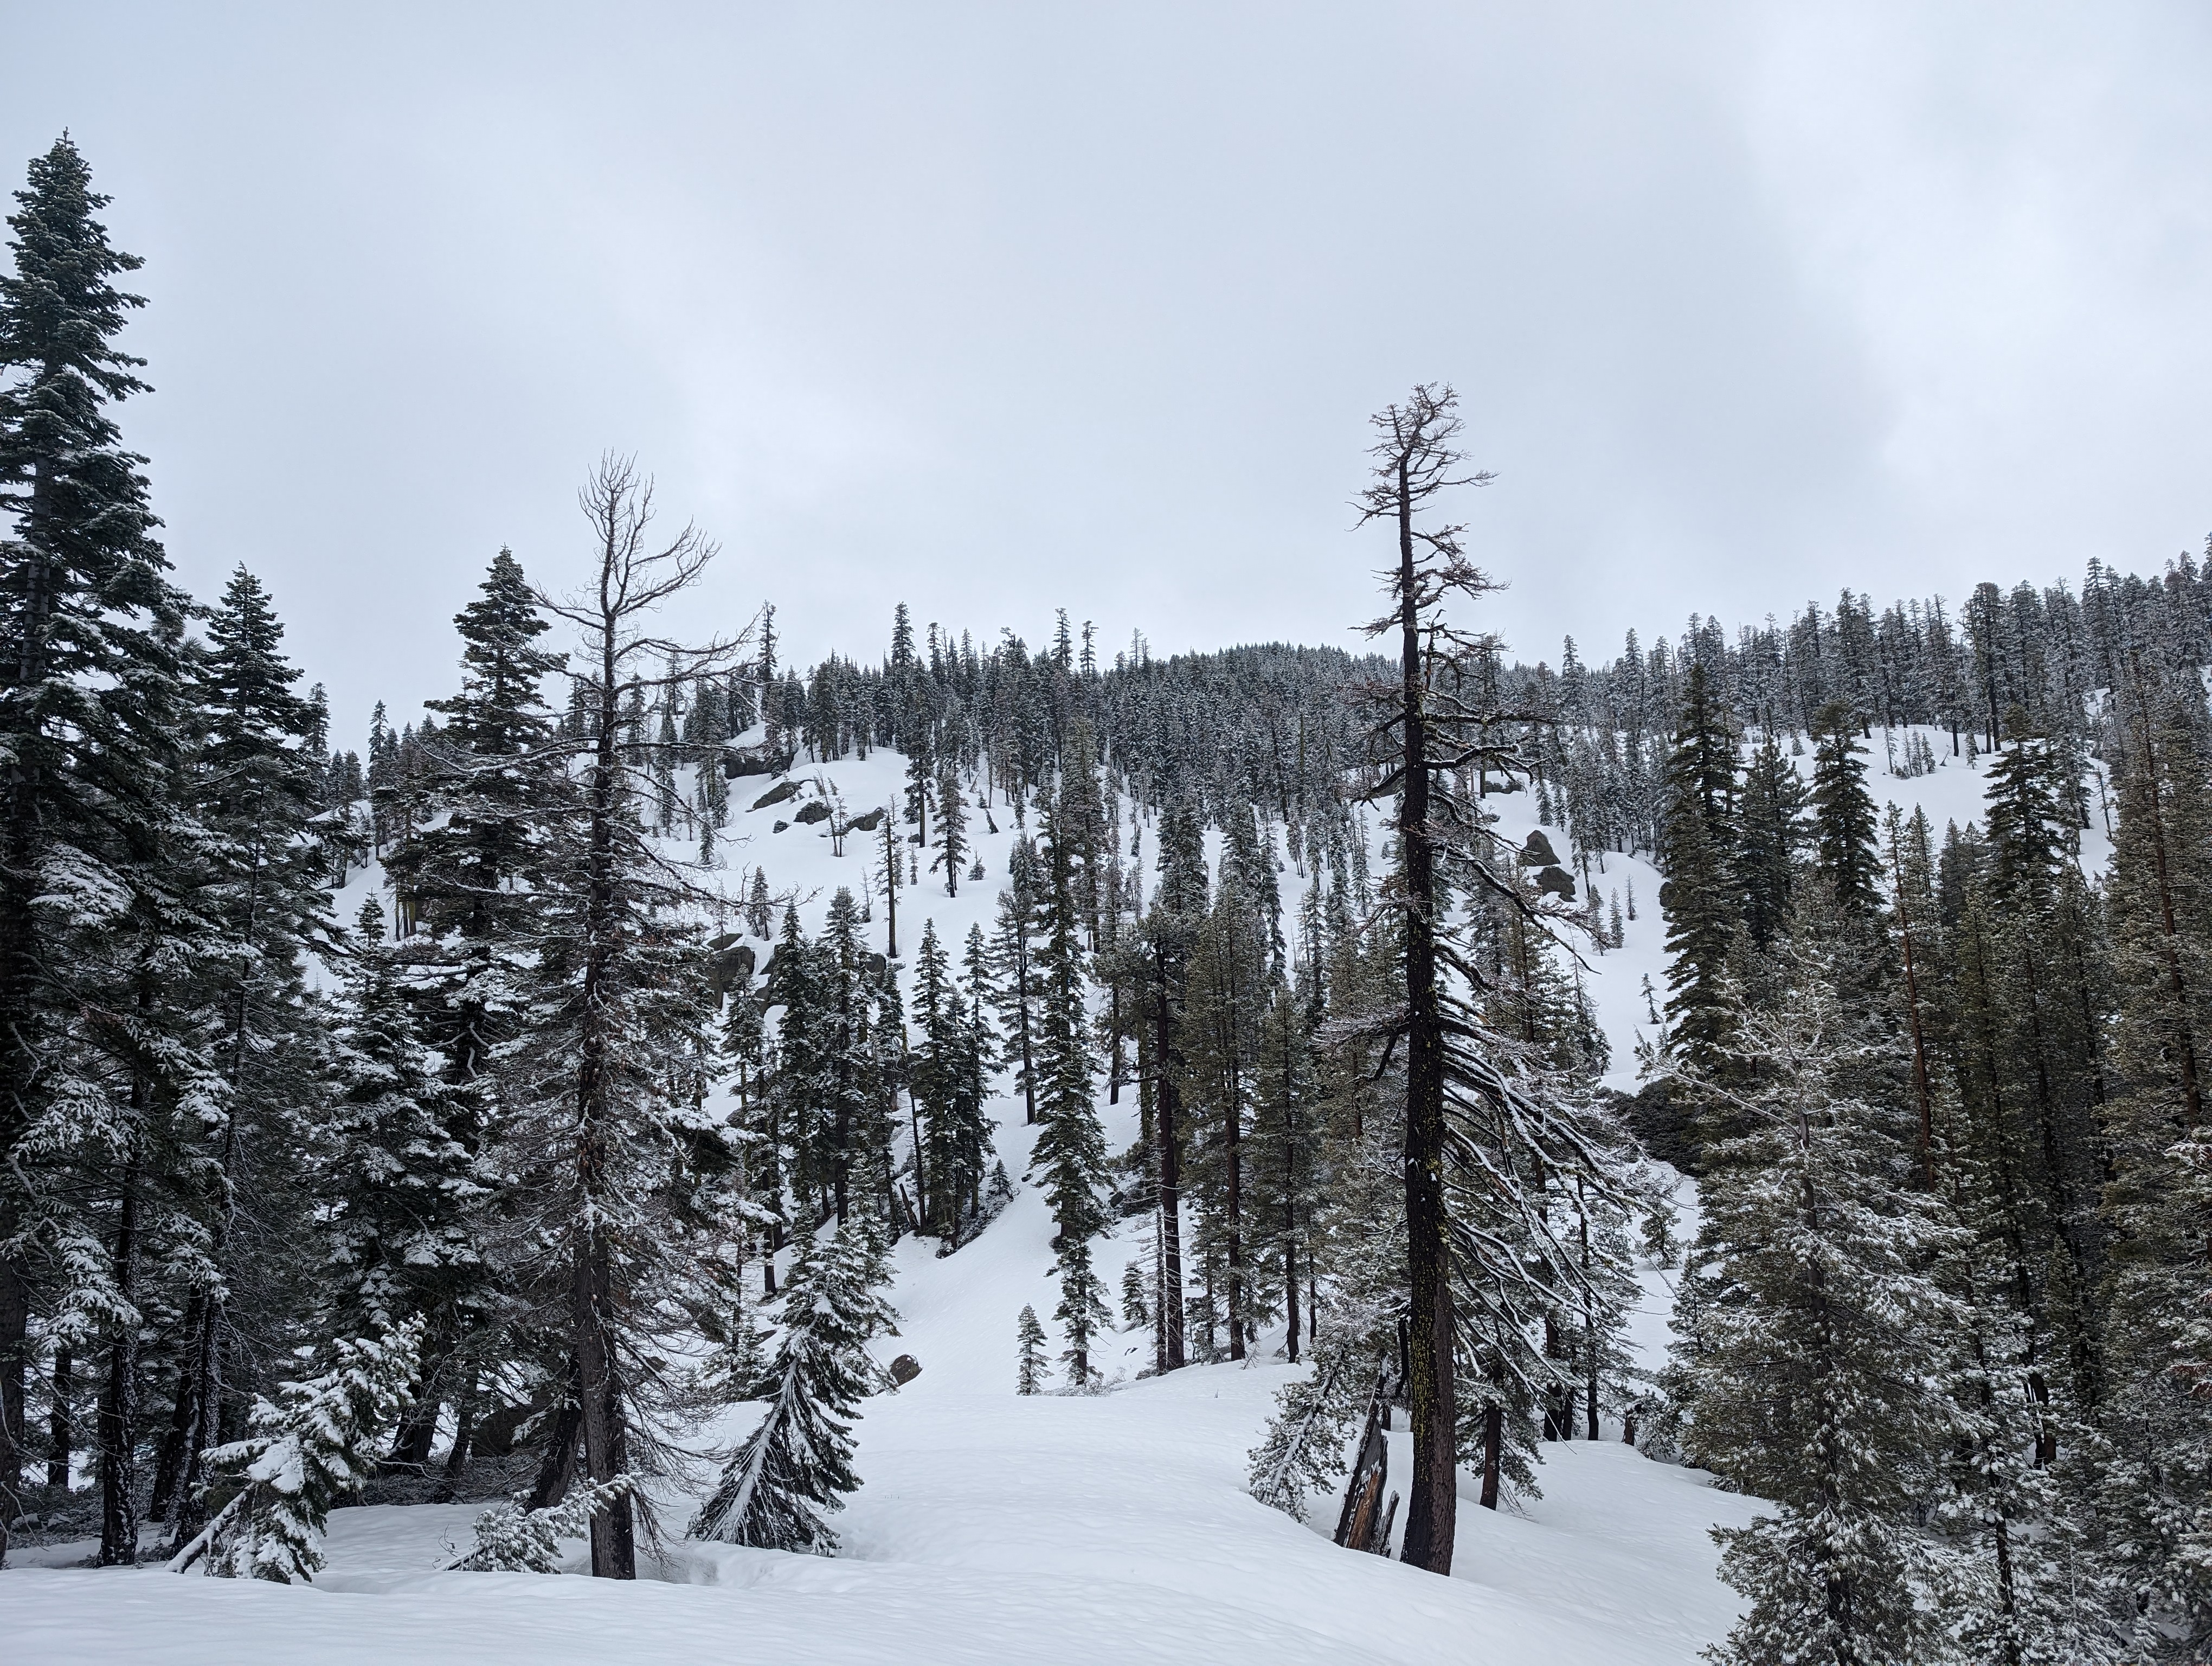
(989, 1527)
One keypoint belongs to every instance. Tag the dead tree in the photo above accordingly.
(626, 987)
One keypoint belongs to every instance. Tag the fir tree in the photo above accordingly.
(1697, 898)
(951, 829)
(1769, 836)
(1069, 1154)
(401, 1194)
(309, 1451)
(90, 634)
(253, 780)
(1814, 1257)
(1014, 977)
(796, 1466)
(1028, 1370)
(2157, 1482)
(1843, 814)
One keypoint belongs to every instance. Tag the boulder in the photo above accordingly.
(1538, 851)
(776, 794)
(754, 761)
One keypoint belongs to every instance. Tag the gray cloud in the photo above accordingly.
(997, 309)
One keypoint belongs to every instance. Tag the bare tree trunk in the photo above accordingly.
(184, 1412)
(599, 1388)
(557, 1471)
(1432, 1504)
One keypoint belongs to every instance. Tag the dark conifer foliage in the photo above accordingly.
(90, 628)
(555, 1118)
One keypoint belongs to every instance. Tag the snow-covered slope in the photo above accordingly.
(996, 1527)
(1112, 1528)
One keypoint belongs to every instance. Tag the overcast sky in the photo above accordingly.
(997, 309)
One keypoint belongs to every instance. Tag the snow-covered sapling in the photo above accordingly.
(797, 1464)
(1028, 1377)
(312, 1447)
(511, 1539)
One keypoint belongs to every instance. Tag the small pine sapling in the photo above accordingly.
(1136, 1312)
(797, 1464)
(1028, 1377)
(312, 1447)
(512, 1539)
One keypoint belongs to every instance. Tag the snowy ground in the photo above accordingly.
(994, 1528)
(991, 1528)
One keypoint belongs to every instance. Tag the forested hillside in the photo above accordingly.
(556, 1102)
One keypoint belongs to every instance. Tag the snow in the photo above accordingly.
(1107, 1527)
(991, 1527)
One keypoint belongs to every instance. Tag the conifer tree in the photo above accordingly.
(620, 991)
(1157, 962)
(261, 886)
(1815, 1256)
(400, 1193)
(2159, 1473)
(1288, 1157)
(1769, 836)
(951, 829)
(89, 633)
(1014, 977)
(1697, 897)
(796, 1466)
(470, 882)
(1845, 851)
(1029, 1340)
(1069, 1154)
(1226, 999)
(310, 1450)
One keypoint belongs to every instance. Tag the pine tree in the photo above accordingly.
(1226, 999)
(951, 829)
(309, 1451)
(2157, 1482)
(797, 1464)
(1069, 1154)
(1157, 962)
(1697, 897)
(262, 886)
(1814, 1257)
(1029, 1372)
(468, 877)
(1288, 1157)
(1769, 836)
(90, 628)
(622, 1009)
(400, 1193)
(1843, 814)
(846, 1089)
(1014, 977)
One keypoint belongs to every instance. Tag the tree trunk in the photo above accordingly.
(184, 1412)
(1167, 1097)
(1432, 1505)
(61, 1431)
(119, 1519)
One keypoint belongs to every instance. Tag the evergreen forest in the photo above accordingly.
(489, 1109)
